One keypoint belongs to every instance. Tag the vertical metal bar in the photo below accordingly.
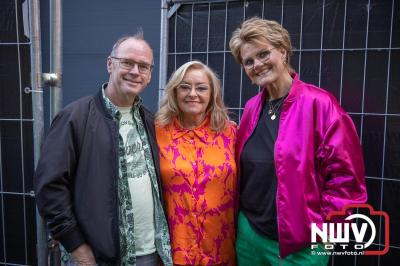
(56, 54)
(176, 22)
(241, 70)
(224, 53)
(163, 49)
(208, 31)
(56, 92)
(364, 76)
(365, 71)
(343, 43)
(322, 40)
(385, 124)
(191, 34)
(38, 124)
(262, 10)
(301, 37)
(21, 130)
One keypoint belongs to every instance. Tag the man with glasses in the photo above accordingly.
(97, 181)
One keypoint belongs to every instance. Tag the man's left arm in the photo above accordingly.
(53, 182)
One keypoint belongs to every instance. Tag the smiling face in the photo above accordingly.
(125, 84)
(193, 96)
(263, 73)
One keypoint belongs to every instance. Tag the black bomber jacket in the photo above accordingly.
(77, 174)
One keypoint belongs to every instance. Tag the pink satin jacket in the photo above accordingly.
(318, 160)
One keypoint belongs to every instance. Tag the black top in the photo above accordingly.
(258, 177)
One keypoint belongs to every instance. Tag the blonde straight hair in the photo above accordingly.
(169, 106)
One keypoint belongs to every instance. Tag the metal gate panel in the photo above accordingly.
(350, 48)
(17, 205)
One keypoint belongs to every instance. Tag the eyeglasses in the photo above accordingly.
(262, 57)
(187, 88)
(128, 64)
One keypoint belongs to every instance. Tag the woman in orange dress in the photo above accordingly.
(198, 171)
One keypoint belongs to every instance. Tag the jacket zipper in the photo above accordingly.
(116, 227)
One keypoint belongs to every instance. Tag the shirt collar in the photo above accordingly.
(202, 131)
(113, 109)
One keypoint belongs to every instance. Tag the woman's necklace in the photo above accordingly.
(273, 108)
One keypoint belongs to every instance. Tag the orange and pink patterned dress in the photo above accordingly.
(198, 173)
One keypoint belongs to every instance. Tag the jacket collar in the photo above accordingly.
(295, 90)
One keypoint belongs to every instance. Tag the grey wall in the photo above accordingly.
(91, 28)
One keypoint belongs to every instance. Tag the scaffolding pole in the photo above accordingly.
(163, 49)
(38, 125)
(54, 80)
(56, 56)
(39, 80)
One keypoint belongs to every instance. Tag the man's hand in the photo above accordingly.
(83, 256)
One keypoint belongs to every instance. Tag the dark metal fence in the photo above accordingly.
(350, 48)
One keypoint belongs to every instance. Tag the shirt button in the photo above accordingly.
(194, 164)
(194, 189)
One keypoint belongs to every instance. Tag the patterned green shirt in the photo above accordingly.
(126, 217)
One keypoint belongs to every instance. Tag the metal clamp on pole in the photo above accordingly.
(50, 79)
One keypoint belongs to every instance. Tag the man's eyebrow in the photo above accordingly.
(137, 62)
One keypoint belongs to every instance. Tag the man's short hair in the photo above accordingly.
(137, 36)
